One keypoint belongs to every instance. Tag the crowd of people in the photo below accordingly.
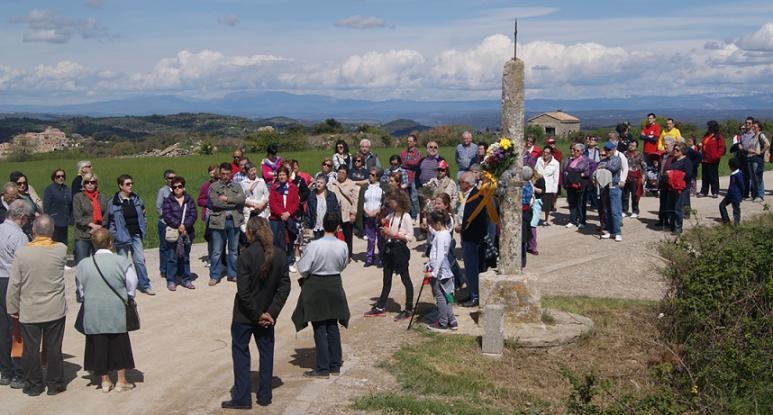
(259, 217)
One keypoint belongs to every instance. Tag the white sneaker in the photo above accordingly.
(605, 235)
(758, 200)
(618, 238)
(293, 269)
(624, 214)
(569, 225)
(580, 226)
(634, 215)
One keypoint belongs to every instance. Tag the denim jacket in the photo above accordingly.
(117, 223)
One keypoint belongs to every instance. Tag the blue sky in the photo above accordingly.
(91, 50)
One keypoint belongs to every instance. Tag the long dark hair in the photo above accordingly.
(261, 233)
(713, 127)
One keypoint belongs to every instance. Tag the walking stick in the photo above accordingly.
(418, 297)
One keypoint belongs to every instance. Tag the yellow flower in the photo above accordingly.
(505, 143)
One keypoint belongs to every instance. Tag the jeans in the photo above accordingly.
(414, 195)
(327, 342)
(471, 257)
(615, 212)
(138, 258)
(678, 213)
(163, 249)
(240, 354)
(177, 265)
(60, 234)
(83, 249)
(371, 232)
(222, 238)
(709, 178)
(736, 211)
(9, 368)
(756, 167)
(445, 309)
(284, 237)
(52, 334)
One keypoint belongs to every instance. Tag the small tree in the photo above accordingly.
(22, 149)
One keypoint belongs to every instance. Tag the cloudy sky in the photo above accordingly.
(72, 51)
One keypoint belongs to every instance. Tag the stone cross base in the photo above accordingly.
(516, 293)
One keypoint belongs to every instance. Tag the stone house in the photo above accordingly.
(556, 123)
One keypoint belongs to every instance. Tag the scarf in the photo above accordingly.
(282, 188)
(42, 241)
(96, 210)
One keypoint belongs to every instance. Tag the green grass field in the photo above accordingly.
(147, 173)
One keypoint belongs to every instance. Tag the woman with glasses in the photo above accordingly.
(359, 173)
(127, 224)
(321, 202)
(341, 155)
(28, 194)
(81, 168)
(549, 168)
(57, 203)
(327, 170)
(371, 198)
(89, 211)
(576, 177)
(179, 212)
(283, 202)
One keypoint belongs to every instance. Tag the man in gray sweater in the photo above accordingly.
(36, 297)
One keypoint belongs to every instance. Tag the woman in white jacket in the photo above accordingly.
(548, 167)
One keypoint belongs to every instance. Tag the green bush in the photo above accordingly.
(719, 311)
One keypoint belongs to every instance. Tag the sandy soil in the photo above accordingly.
(183, 355)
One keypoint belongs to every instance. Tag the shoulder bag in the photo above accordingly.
(132, 316)
(173, 234)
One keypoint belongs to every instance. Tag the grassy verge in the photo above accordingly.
(448, 374)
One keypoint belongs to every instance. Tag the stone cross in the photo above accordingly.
(510, 203)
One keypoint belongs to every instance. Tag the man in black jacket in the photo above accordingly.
(473, 228)
(262, 284)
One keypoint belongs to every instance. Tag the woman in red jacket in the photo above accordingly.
(283, 202)
(713, 148)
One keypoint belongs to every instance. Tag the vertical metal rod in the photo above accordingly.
(515, 40)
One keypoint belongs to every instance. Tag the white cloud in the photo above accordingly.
(229, 20)
(761, 40)
(361, 22)
(46, 26)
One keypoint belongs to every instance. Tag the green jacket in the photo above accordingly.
(321, 298)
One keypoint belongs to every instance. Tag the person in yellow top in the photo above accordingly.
(669, 131)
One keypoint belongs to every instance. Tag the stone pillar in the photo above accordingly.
(510, 203)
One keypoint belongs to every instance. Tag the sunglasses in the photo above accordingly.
(90, 182)
(431, 146)
(19, 183)
(327, 165)
(358, 161)
(128, 184)
(178, 186)
(59, 176)
(171, 177)
(441, 169)
(372, 175)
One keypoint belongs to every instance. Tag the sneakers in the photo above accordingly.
(581, 226)
(436, 326)
(634, 215)
(123, 387)
(714, 196)
(189, 286)
(316, 375)
(5, 380)
(18, 383)
(570, 225)
(405, 314)
(213, 282)
(235, 405)
(376, 312)
(292, 269)
(171, 286)
(757, 200)
(148, 291)
(453, 326)
(700, 195)
(231, 279)
(618, 238)
(605, 235)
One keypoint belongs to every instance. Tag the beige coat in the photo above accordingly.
(347, 193)
(36, 285)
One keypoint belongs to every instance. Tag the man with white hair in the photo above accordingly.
(370, 158)
(10, 193)
(472, 228)
(36, 297)
(11, 239)
(465, 154)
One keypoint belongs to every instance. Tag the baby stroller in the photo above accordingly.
(652, 180)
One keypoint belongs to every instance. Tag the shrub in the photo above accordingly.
(719, 311)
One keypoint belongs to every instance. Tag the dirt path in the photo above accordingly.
(183, 350)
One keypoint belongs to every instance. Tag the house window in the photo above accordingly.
(550, 131)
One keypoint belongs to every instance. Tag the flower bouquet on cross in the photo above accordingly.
(499, 157)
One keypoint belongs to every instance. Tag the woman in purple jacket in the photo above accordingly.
(179, 211)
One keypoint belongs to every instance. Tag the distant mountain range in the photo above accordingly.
(480, 114)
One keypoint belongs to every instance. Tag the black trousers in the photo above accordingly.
(51, 333)
(709, 178)
(405, 277)
(9, 367)
(348, 228)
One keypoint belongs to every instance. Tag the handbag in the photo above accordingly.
(132, 315)
(173, 234)
(79, 321)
